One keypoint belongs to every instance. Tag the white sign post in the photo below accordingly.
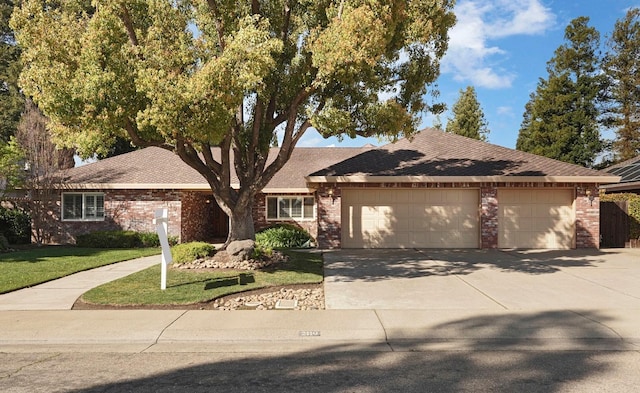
(161, 220)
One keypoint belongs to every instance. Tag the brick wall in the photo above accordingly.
(587, 217)
(329, 222)
(124, 209)
(196, 216)
(488, 217)
(260, 221)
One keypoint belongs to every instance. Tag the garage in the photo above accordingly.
(408, 218)
(536, 219)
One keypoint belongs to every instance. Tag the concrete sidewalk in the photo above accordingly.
(328, 330)
(39, 319)
(62, 293)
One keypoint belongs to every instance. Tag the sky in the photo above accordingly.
(501, 48)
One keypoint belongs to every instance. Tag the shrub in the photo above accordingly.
(283, 236)
(109, 239)
(15, 225)
(189, 252)
(634, 210)
(121, 239)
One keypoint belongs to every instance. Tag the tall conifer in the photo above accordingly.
(561, 120)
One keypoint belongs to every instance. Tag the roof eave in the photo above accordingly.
(621, 186)
(176, 186)
(462, 179)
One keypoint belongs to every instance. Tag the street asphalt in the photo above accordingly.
(378, 301)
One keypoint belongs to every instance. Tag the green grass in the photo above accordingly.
(25, 268)
(192, 286)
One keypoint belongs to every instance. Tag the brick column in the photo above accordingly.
(329, 211)
(587, 217)
(489, 217)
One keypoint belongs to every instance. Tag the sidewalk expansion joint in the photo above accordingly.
(386, 337)
(480, 291)
(599, 323)
(165, 329)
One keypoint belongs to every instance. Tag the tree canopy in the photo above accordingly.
(561, 120)
(468, 118)
(622, 67)
(190, 75)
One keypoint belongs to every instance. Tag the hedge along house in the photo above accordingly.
(442, 190)
(123, 192)
(437, 190)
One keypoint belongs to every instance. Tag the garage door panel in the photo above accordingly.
(536, 218)
(421, 218)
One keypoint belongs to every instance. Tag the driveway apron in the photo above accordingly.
(482, 279)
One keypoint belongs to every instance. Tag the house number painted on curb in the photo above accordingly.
(161, 220)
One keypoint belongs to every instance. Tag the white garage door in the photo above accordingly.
(405, 218)
(535, 219)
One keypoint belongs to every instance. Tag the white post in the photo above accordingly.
(161, 220)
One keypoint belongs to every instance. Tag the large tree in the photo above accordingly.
(622, 66)
(191, 75)
(468, 118)
(562, 119)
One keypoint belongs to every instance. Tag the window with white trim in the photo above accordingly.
(291, 207)
(83, 206)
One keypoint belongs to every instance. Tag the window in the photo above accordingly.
(83, 206)
(286, 208)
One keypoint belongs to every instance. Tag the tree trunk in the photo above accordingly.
(241, 224)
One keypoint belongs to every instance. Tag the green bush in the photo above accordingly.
(283, 236)
(634, 210)
(15, 226)
(121, 239)
(189, 252)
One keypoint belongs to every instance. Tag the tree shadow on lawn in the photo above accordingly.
(362, 367)
(380, 264)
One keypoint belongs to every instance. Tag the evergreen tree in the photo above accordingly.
(561, 120)
(622, 66)
(11, 101)
(468, 119)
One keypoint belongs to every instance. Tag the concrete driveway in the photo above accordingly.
(482, 279)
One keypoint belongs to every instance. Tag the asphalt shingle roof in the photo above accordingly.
(436, 153)
(430, 153)
(157, 166)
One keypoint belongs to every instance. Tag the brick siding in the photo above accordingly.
(260, 221)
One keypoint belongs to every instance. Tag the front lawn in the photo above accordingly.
(193, 286)
(26, 268)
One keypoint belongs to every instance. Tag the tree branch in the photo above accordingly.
(128, 24)
(130, 127)
(219, 22)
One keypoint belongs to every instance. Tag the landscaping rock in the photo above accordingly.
(241, 250)
(307, 299)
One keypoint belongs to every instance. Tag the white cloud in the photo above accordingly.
(504, 111)
(479, 22)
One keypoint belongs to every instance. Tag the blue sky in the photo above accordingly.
(501, 47)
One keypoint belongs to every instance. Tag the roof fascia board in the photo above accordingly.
(621, 186)
(462, 179)
(174, 186)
